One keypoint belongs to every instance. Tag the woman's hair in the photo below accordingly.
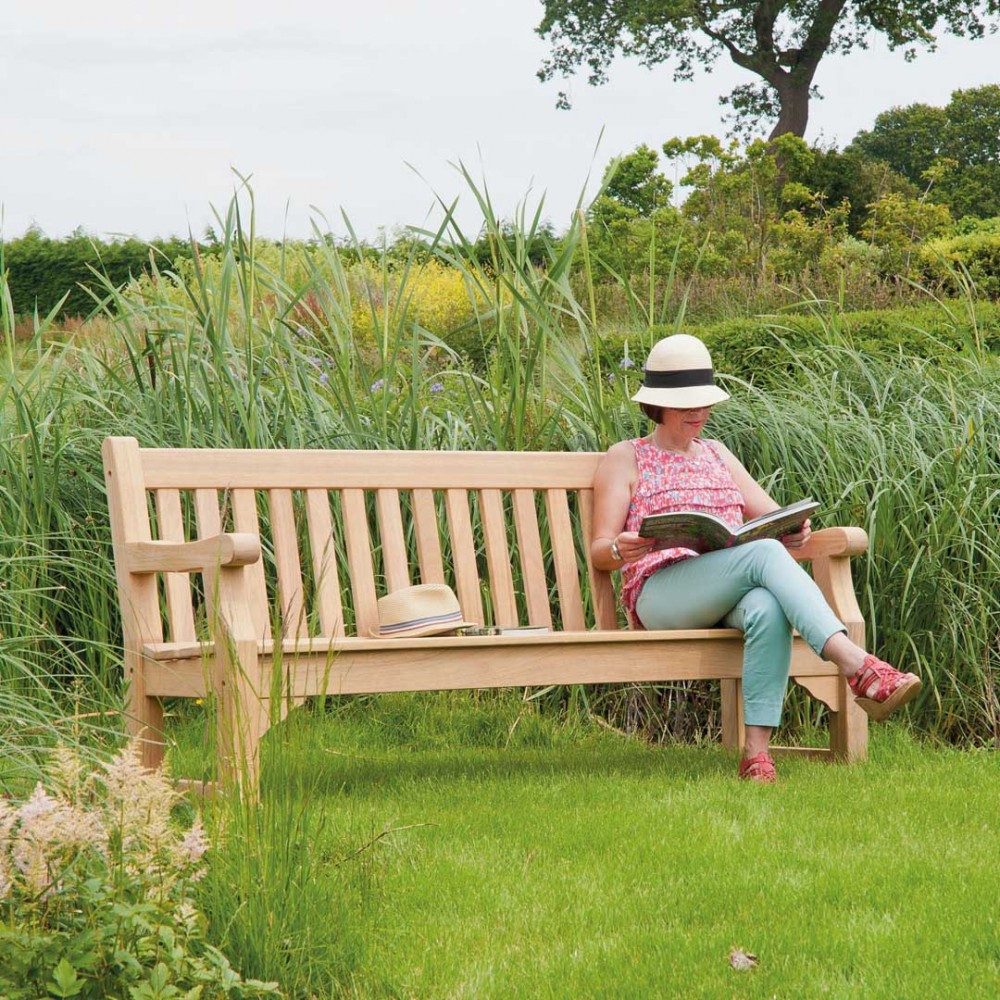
(655, 413)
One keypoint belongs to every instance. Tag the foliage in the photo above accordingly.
(955, 148)
(750, 203)
(974, 257)
(634, 183)
(781, 43)
(97, 891)
(899, 225)
(47, 274)
(761, 350)
(854, 180)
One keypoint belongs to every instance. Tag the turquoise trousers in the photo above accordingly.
(761, 590)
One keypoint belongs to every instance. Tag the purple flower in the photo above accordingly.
(376, 385)
(626, 362)
(324, 378)
(301, 331)
(611, 378)
(437, 387)
(315, 362)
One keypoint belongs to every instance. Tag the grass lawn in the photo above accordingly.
(527, 859)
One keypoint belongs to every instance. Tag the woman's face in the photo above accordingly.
(686, 422)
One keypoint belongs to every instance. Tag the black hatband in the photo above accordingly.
(677, 379)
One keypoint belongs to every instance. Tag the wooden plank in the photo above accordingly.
(498, 558)
(289, 566)
(390, 522)
(137, 594)
(229, 549)
(245, 519)
(564, 560)
(463, 552)
(425, 525)
(529, 543)
(180, 612)
(221, 468)
(324, 555)
(357, 541)
(602, 591)
(206, 513)
(733, 725)
(356, 666)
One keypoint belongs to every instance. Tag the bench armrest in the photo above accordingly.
(833, 542)
(231, 549)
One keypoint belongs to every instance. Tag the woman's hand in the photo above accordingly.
(798, 538)
(631, 546)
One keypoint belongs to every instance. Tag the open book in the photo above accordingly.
(690, 529)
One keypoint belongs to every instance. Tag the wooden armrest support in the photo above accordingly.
(833, 542)
(232, 549)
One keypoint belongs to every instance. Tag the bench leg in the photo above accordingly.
(848, 727)
(145, 715)
(733, 732)
(242, 718)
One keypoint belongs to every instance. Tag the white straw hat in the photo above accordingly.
(426, 609)
(679, 374)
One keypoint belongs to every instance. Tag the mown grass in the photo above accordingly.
(446, 848)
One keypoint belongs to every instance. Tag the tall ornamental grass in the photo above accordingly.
(232, 356)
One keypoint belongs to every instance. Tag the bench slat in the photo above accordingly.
(245, 519)
(498, 558)
(425, 524)
(463, 551)
(324, 556)
(390, 520)
(602, 591)
(564, 559)
(532, 564)
(206, 512)
(287, 562)
(180, 614)
(359, 560)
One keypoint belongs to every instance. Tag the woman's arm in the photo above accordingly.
(614, 482)
(756, 498)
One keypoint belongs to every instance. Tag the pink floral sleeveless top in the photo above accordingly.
(667, 482)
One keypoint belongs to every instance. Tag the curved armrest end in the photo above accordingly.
(837, 541)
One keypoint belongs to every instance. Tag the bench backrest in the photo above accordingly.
(508, 531)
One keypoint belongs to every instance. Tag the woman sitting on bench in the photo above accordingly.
(756, 587)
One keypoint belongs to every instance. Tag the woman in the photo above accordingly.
(757, 587)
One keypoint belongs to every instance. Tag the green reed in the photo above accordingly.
(233, 354)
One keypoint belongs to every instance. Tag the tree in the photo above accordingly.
(780, 41)
(956, 148)
(633, 181)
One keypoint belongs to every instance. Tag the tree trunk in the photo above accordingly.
(793, 102)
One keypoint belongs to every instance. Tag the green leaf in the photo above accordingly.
(65, 982)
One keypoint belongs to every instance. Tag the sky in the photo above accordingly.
(123, 117)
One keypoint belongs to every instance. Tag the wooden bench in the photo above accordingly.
(254, 576)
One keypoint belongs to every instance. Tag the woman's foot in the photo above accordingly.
(880, 688)
(759, 768)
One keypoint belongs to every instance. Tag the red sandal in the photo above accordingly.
(759, 768)
(880, 688)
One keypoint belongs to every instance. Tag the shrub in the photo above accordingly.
(976, 253)
(762, 349)
(97, 891)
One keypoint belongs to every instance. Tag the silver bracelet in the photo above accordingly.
(616, 552)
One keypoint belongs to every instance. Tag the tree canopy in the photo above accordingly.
(779, 41)
(956, 149)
